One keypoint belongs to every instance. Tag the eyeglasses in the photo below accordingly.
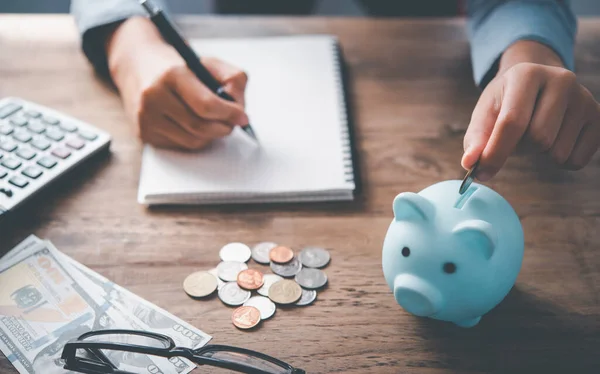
(89, 353)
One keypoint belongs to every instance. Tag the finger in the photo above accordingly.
(586, 146)
(214, 129)
(481, 125)
(183, 116)
(158, 131)
(202, 101)
(548, 116)
(180, 137)
(518, 103)
(180, 114)
(573, 122)
(234, 80)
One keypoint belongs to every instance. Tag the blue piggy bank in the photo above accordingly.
(452, 257)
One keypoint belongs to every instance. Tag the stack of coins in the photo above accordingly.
(294, 281)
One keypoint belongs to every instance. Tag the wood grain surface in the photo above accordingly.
(411, 93)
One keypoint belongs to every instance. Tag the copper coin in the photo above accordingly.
(281, 254)
(250, 279)
(245, 317)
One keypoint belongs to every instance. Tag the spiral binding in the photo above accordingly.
(345, 128)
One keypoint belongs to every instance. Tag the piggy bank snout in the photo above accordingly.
(416, 295)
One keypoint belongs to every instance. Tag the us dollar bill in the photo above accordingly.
(45, 302)
(156, 318)
(42, 307)
(144, 315)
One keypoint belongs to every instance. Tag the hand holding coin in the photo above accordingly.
(469, 178)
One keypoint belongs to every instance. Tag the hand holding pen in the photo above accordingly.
(169, 105)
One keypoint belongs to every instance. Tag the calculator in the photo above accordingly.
(39, 145)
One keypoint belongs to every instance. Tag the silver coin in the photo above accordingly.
(228, 270)
(260, 252)
(235, 252)
(311, 278)
(469, 177)
(307, 298)
(314, 257)
(287, 270)
(214, 272)
(231, 294)
(263, 304)
(268, 280)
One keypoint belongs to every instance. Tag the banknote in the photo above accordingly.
(42, 307)
(144, 314)
(30, 242)
(45, 302)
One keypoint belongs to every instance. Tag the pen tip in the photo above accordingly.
(248, 130)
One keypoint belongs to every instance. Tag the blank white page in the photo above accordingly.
(294, 99)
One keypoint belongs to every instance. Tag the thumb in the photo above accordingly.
(232, 78)
(481, 125)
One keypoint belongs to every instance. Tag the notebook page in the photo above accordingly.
(294, 104)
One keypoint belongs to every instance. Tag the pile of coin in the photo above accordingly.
(294, 281)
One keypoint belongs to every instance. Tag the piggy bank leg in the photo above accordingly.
(469, 322)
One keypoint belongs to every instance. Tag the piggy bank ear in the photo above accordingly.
(409, 206)
(477, 235)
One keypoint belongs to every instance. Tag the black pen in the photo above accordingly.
(192, 60)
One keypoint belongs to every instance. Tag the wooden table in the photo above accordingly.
(412, 95)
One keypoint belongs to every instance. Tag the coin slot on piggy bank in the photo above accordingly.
(452, 257)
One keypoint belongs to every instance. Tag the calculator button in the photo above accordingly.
(22, 137)
(61, 153)
(87, 135)
(55, 134)
(41, 144)
(6, 129)
(50, 121)
(47, 162)
(33, 114)
(6, 192)
(75, 143)
(36, 127)
(9, 109)
(18, 181)
(3, 173)
(11, 163)
(8, 146)
(69, 127)
(18, 121)
(26, 154)
(32, 172)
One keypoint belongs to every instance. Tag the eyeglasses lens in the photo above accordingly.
(131, 339)
(132, 362)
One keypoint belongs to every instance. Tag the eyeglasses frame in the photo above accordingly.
(72, 362)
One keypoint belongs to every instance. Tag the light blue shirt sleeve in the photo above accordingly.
(93, 16)
(493, 25)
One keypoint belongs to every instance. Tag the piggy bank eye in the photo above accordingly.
(405, 252)
(449, 267)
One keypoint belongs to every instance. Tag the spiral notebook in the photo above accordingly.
(295, 101)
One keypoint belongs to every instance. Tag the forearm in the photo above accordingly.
(122, 43)
(96, 21)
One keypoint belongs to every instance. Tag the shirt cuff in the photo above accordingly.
(493, 26)
(95, 19)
